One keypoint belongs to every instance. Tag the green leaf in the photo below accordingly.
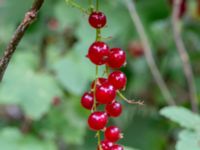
(12, 139)
(182, 116)
(32, 91)
(68, 121)
(66, 15)
(74, 72)
(76, 127)
(188, 140)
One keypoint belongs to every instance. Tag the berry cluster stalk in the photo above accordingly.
(104, 90)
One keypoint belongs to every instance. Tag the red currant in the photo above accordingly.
(97, 120)
(56, 101)
(136, 49)
(105, 93)
(99, 82)
(117, 79)
(98, 53)
(97, 20)
(117, 58)
(112, 134)
(117, 147)
(114, 109)
(106, 145)
(87, 100)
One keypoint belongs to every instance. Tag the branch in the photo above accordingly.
(184, 55)
(148, 54)
(198, 7)
(29, 18)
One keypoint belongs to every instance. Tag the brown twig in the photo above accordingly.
(29, 18)
(184, 55)
(148, 53)
(198, 7)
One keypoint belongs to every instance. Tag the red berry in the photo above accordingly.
(117, 147)
(87, 100)
(56, 101)
(117, 79)
(53, 24)
(98, 53)
(106, 145)
(105, 93)
(112, 134)
(97, 120)
(114, 109)
(117, 58)
(97, 20)
(99, 82)
(136, 49)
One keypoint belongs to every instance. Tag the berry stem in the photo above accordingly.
(107, 70)
(91, 7)
(98, 38)
(99, 139)
(97, 5)
(95, 84)
(98, 35)
(77, 6)
(129, 101)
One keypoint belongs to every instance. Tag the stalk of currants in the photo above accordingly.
(104, 90)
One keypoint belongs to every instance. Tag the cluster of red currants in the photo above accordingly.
(103, 90)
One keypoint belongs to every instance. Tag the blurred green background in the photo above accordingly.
(40, 93)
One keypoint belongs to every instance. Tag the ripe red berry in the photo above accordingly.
(98, 53)
(117, 58)
(97, 20)
(114, 109)
(99, 82)
(117, 147)
(112, 134)
(105, 145)
(87, 100)
(97, 120)
(105, 93)
(117, 79)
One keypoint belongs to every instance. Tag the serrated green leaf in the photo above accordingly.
(182, 116)
(12, 139)
(74, 72)
(188, 140)
(66, 15)
(32, 91)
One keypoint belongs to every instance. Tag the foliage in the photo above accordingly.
(67, 73)
(189, 137)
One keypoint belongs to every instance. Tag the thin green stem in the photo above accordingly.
(97, 71)
(98, 35)
(107, 70)
(77, 6)
(97, 5)
(99, 140)
(94, 90)
(129, 101)
(91, 7)
(98, 38)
